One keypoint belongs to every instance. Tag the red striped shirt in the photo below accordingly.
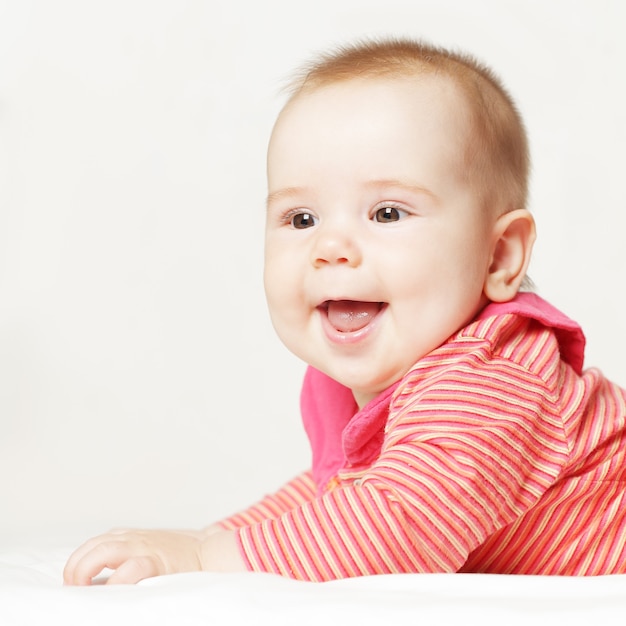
(495, 453)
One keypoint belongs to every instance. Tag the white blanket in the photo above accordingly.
(31, 593)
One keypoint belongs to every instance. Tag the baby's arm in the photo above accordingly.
(139, 554)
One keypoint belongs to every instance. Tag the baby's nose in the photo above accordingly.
(336, 247)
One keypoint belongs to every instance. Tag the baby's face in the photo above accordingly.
(377, 250)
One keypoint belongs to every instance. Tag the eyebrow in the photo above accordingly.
(290, 192)
(401, 184)
(287, 192)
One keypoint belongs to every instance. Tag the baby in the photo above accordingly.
(451, 422)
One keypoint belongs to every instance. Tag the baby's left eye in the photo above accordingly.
(389, 214)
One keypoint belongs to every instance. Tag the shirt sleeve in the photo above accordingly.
(296, 492)
(464, 455)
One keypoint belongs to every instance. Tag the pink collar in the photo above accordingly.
(568, 333)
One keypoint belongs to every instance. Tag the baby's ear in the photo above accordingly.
(513, 239)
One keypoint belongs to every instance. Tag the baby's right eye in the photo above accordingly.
(301, 219)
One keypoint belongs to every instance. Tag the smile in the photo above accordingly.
(349, 321)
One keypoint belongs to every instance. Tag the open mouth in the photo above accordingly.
(349, 316)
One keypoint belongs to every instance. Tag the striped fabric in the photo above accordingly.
(295, 493)
(497, 456)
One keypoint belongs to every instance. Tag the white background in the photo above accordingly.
(140, 379)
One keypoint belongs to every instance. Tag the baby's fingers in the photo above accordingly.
(89, 560)
(133, 570)
(76, 557)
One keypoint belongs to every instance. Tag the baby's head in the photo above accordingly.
(397, 187)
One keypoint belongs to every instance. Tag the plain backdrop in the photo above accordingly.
(141, 383)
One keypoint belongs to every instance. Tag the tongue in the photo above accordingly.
(347, 315)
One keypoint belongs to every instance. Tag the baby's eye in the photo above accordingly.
(389, 214)
(302, 219)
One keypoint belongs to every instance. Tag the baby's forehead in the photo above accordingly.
(439, 102)
(369, 120)
(433, 93)
(418, 102)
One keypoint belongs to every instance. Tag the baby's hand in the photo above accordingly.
(139, 554)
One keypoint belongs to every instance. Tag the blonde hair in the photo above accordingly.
(496, 160)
